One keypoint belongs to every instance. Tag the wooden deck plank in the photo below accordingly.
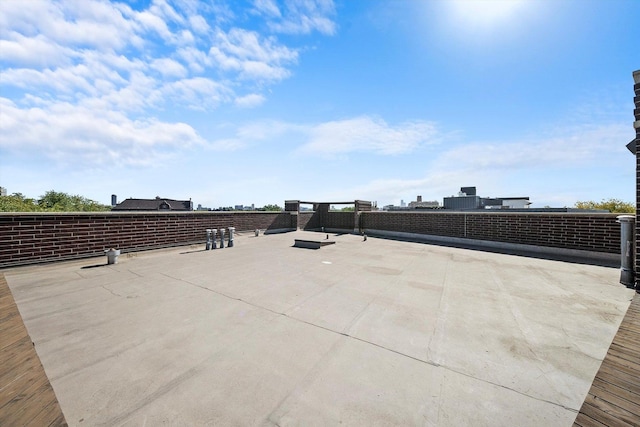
(583, 420)
(617, 391)
(614, 397)
(26, 395)
(616, 412)
(609, 394)
(625, 341)
(612, 376)
(631, 327)
(623, 353)
(631, 366)
(630, 334)
(602, 416)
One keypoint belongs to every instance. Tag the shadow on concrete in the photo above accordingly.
(194, 251)
(94, 266)
(575, 259)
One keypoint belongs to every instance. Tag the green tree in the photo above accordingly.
(612, 205)
(52, 201)
(17, 202)
(274, 208)
(348, 209)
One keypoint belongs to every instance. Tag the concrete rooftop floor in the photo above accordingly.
(375, 332)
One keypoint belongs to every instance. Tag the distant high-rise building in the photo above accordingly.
(3, 191)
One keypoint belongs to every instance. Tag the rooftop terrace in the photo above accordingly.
(375, 332)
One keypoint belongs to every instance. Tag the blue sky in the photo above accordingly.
(260, 101)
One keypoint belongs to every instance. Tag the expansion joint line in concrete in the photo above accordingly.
(427, 362)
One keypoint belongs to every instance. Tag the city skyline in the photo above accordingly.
(267, 101)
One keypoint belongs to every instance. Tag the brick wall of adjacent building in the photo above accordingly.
(589, 232)
(32, 238)
(636, 114)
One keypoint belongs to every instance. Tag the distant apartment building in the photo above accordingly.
(245, 208)
(417, 204)
(3, 191)
(428, 204)
(515, 202)
(157, 204)
(467, 199)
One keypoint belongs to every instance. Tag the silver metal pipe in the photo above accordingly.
(627, 257)
(231, 230)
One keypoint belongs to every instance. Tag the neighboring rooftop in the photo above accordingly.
(359, 332)
(157, 204)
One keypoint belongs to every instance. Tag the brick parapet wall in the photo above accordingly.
(328, 219)
(32, 238)
(340, 220)
(588, 232)
(308, 221)
(636, 114)
(28, 238)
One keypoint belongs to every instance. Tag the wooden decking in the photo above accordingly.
(614, 398)
(26, 396)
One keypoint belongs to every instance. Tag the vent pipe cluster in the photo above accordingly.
(212, 238)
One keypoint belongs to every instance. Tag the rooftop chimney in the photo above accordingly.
(114, 200)
(419, 199)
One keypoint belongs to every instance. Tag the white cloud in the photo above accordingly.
(195, 59)
(139, 93)
(164, 10)
(199, 24)
(87, 137)
(267, 7)
(565, 148)
(154, 23)
(299, 17)
(33, 51)
(357, 135)
(86, 23)
(93, 49)
(89, 77)
(567, 154)
(268, 130)
(169, 67)
(252, 56)
(197, 93)
(367, 134)
(249, 101)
